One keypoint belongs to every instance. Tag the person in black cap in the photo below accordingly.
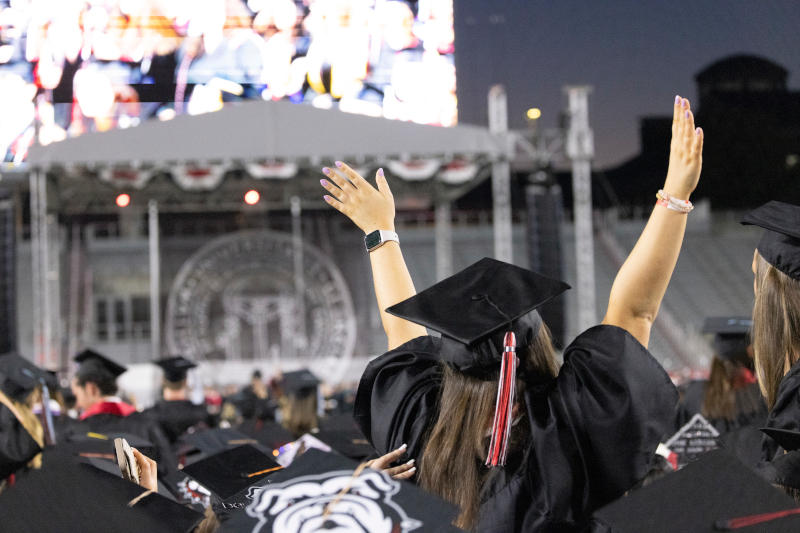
(776, 318)
(300, 402)
(21, 433)
(95, 389)
(730, 398)
(492, 423)
(174, 413)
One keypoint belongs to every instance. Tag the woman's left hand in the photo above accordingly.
(398, 472)
(149, 477)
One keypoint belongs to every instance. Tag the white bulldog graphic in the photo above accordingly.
(297, 506)
(193, 492)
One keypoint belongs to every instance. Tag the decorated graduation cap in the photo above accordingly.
(715, 493)
(90, 358)
(780, 244)
(301, 383)
(69, 496)
(229, 472)
(483, 312)
(321, 491)
(19, 377)
(731, 335)
(175, 368)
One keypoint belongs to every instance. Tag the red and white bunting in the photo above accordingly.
(198, 178)
(274, 170)
(126, 177)
(458, 171)
(415, 170)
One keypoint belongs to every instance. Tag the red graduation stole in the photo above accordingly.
(109, 408)
(501, 428)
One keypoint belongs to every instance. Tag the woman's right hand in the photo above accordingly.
(370, 208)
(685, 152)
(403, 471)
(149, 469)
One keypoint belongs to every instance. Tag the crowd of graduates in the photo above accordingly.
(484, 427)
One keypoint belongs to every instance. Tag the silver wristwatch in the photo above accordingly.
(378, 238)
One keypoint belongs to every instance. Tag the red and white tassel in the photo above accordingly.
(503, 418)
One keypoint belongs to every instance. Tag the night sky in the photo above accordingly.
(638, 54)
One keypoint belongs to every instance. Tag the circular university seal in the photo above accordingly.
(260, 296)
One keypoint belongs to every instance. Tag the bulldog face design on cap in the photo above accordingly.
(193, 492)
(298, 505)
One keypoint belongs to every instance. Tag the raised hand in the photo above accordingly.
(685, 153)
(370, 208)
(403, 471)
(149, 469)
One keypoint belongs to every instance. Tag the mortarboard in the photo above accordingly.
(788, 439)
(355, 498)
(267, 432)
(231, 471)
(348, 442)
(477, 305)
(175, 368)
(715, 493)
(101, 445)
(780, 244)
(730, 335)
(90, 356)
(206, 442)
(19, 377)
(784, 470)
(301, 383)
(70, 496)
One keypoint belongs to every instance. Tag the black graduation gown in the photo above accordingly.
(594, 428)
(136, 424)
(692, 403)
(785, 414)
(176, 416)
(17, 447)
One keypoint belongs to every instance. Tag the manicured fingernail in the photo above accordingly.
(403, 447)
(413, 469)
(339, 164)
(326, 171)
(411, 462)
(677, 100)
(683, 103)
(697, 131)
(380, 172)
(327, 198)
(324, 183)
(687, 114)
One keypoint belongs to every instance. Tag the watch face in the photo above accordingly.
(372, 240)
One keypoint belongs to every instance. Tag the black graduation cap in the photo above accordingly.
(92, 356)
(18, 376)
(348, 442)
(69, 496)
(101, 445)
(784, 470)
(301, 383)
(354, 497)
(730, 335)
(206, 442)
(228, 472)
(788, 439)
(175, 368)
(780, 244)
(267, 432)
(715, 493)
(477, 305)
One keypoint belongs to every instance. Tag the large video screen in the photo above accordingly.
(72, 66)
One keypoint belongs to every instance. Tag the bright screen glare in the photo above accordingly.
(79, 66)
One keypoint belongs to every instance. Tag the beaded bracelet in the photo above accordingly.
(670, 202)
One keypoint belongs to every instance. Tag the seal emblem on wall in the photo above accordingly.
(262, 296)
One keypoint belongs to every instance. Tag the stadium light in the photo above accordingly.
(251, 197)
(123, 200)
(534, 113)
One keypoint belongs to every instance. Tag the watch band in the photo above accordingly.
(378, 238)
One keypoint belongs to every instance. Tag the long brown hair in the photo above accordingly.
(776, 326)
(723, 399)
(299, 414)
(452, 460)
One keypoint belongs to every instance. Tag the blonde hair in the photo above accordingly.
(776, 326)
(23, 413)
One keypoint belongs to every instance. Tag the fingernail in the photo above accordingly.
(327, 198)
(326, 171)
(687, 114)
(403, 447)
(339, 164)
(412, 469)
(677, 100)
(411, 462)
(683, 103)
(697, 131)
(380, 172)
(324, 183)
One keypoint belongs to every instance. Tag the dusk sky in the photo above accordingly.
(637, 54)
